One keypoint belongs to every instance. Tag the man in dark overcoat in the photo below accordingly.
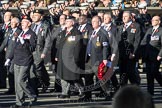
(68, 50)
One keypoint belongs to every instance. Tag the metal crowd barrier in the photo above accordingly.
(151, 10)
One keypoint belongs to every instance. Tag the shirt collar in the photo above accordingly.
(7, 23)
(14, 29)
(128, 24)
(97, 30)
(25, 30)
(155, 27)
(70, 29)
(82, 27)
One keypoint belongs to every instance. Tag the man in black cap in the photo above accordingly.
(22, 56)
(68, 57)
(42, 30)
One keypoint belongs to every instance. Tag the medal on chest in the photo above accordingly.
(97, 42)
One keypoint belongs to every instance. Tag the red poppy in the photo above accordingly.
(6, 27)
(157, 30)
(101, 70)
(41, 29)
(83, 30)
(132, 25)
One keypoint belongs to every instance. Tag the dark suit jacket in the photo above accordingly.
(128, 41)
(86, 32)
(43, 38)
(112, 39)
(153, 44)
(99, 53)
(22, 53)
(54, 36)
(9, 41)
(113, 29)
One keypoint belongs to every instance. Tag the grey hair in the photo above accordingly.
(17, 19)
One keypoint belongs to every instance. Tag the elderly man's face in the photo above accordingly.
(126, 17)
(95, 23)
(25, 24)
(69, 23)
(7, 16)
(107, 19)
(14, 23)
(155, 21)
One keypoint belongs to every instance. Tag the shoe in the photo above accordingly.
(9, 92)
(16, 106)
(32, 101)
(85, 99)
(64, 96)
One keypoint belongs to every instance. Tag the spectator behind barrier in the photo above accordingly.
(132, 96)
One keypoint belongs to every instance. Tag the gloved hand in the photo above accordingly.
(21, 40)
(7, 63)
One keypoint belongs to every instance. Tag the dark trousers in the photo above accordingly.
(42, 74)
(127, 71)
(90, 71)
(22, 84)
(57, 83)
(3, 71)
(114, 81)
(40, 70)
(11, 82)
(152, 71)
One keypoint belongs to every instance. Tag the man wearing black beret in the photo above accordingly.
(22, 56)
(43, 32)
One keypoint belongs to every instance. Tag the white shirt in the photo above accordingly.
(128, 24)
(82, 27)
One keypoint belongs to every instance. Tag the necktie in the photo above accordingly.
(153, 31)
(105, 27)
(22, 34)
(10, 36)
(4, 26)
(89, 46)
(35, 28)
(80, 27)
(125, 27)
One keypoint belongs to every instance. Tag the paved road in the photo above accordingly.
(49, 99)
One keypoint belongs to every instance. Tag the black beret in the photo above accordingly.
(38, 11)
(26, 17)
(70, 17)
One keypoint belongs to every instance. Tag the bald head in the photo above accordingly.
(156, 21)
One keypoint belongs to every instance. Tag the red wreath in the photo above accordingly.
(102, 69)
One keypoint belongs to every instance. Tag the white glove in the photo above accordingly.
(21, 40)
(7, 62)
